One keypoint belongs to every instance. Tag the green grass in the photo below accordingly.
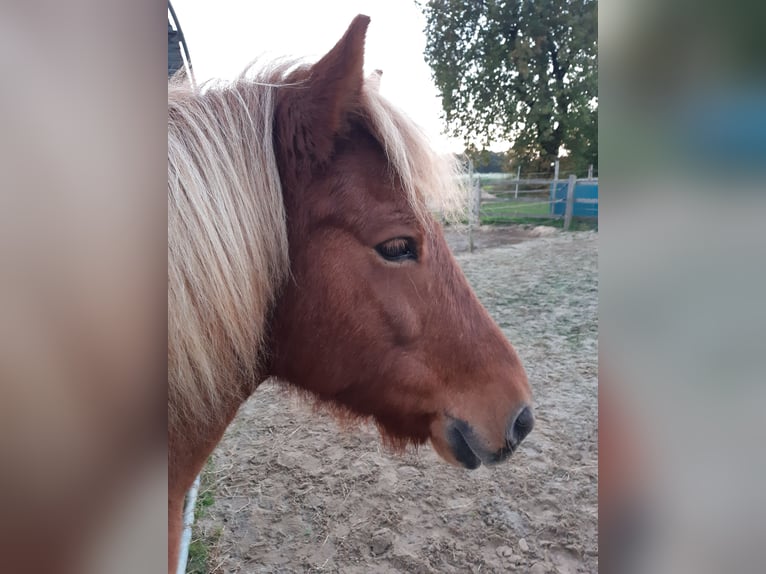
(507, 209)
(204, 500)
(505, 218)
(528, 213)
(198, 558)
(199, 549)
(535, 212)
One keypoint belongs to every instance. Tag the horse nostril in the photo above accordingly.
(522, 426)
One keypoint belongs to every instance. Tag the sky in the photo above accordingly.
(225, 35)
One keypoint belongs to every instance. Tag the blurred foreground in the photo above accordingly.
(683, 273)
(82, 287)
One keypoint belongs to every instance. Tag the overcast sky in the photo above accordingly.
(225, 35)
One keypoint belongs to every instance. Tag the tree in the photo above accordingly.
(486, 161)
(523, 71)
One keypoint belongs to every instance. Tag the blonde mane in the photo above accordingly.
(227, 234)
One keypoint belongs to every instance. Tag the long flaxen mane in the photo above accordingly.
(227, 234)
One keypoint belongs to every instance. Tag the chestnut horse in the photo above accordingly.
(301, 246)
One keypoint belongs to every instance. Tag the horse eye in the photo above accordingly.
(397, 249)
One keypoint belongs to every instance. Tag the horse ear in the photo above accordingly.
(336, 80)
(315, 113)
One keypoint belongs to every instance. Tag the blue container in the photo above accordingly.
(583, 190)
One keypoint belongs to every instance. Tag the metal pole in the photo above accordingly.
(570, 202)
(191, 501)
(184, 45)
(476, 207)
(470, 206)
(555, 190)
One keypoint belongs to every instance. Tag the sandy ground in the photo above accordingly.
(292, 493)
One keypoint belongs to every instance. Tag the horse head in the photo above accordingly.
(376, 316)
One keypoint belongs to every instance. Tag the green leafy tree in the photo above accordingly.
(486, 161)
(522, 71)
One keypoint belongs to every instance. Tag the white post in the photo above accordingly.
(477, 196)
(590, 171)
(470, 206)
(518, 176)
(555, 186)
(570, 202)
(186, 534)
(475, 208)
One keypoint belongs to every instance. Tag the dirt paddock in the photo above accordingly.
(287, 491)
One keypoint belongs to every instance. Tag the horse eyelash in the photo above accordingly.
(390, 249)
(397, 244)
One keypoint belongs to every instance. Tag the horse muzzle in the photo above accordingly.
(471, 451)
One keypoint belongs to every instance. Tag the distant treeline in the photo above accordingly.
(486, 161)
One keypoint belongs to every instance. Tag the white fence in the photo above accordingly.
(505, 198)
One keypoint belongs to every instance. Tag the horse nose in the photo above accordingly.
(521, 426)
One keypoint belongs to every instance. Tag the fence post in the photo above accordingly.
(555, 191)
(474, 217)
(470, 206)
(590, 171)
(518, 176)
(474, 203)
(477, 199)
(570, 201)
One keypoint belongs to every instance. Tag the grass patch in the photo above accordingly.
(527, 213)
(198, 558)
(204, 500)
(504, 218)
(508, 209)
(200, 548)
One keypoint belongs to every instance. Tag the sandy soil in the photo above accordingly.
(292, 493)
